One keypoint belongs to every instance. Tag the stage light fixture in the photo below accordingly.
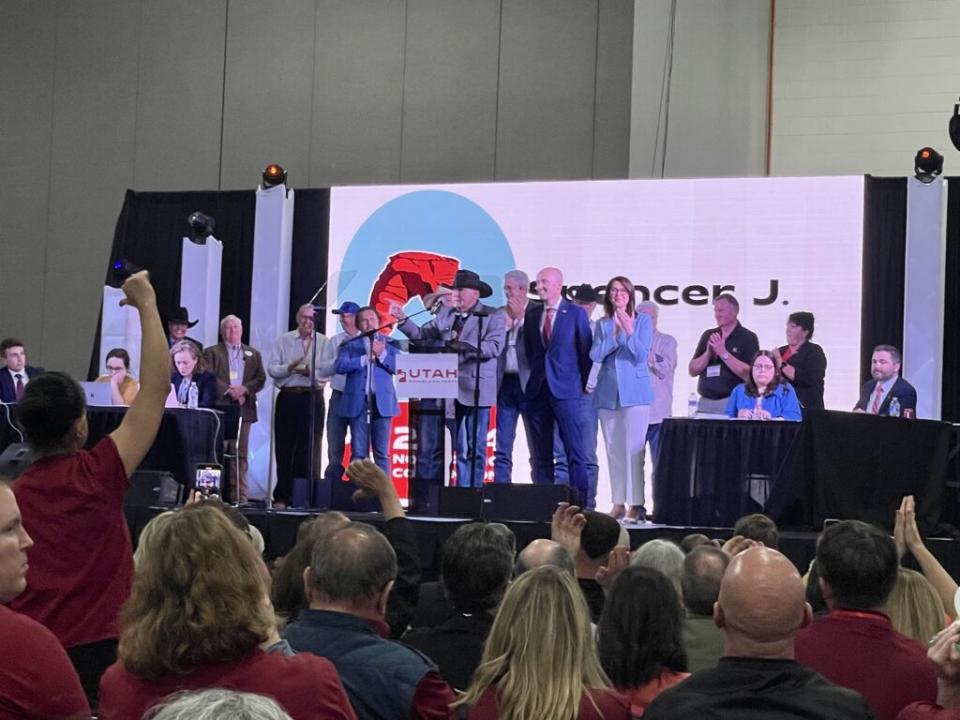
(274, 175)
(955, 127)
(927, 164)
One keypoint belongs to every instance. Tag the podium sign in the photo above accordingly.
(432, 375)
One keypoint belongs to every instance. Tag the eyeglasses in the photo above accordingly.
(619, 291)
(115, 368)
(763, 366)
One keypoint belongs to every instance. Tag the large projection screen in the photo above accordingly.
(780, 245)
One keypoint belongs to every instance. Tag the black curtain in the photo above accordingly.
(950, 409)
(311, 236)
(884, 257)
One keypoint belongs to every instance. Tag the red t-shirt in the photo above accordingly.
(37, 681)
(81, 562)
(612, 706)
(306, 686)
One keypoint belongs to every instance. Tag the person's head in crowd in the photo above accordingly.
(541, 552)
(858, 565)
(639, 634)
(703, 569)
(914, 607)
(693, 540)
(516, 284)
(287, 591)
(759, 527)
(599, 537)
(538, 671)
(726, 308)
(352, 570)
(187, 358)
(305, 320)
(347, 312)
(811, 582)
(619, 295)
(146, 543)
(799, 328)
(367, 319)
(549, 285)
(13, 354)
(53, 414)
(651, 309)
(476, 568)
(178, 322)
(585, 296)
(662, 555)
(765, 374)
(118, 363)
(14, 543)
(203, 599)
(885, 363)
(231, 330)
(762, 605)
(218, 704)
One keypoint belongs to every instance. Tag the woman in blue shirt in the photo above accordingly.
(766, 395)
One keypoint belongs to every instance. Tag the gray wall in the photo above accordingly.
(105, 95)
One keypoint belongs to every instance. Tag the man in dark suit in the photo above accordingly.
(557, 341)
(369, 362)
(16, 373)
(240, 376)
(876, 394)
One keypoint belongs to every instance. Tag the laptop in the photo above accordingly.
(97, 393)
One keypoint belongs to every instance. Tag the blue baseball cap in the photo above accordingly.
(347, 308)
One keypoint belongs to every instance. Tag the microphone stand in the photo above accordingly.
(311, 450)
(476, 407)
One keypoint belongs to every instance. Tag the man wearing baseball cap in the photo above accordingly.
(336, 425)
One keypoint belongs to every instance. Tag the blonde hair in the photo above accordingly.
(540, 655)
(914, 607)
(146, 541)
(198, 597)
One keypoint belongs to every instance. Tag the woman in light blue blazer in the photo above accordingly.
(621, 345)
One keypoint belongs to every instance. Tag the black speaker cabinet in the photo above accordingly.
(522, 502)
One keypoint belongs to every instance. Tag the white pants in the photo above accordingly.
(625, 436)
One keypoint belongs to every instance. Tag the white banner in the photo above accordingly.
(432, 375)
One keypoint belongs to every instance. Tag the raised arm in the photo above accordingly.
(139, 427)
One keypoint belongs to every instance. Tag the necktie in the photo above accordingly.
(458, 326)
(548, 326)
(876, 400)
(19, 378)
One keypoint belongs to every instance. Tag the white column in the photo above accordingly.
(924, 292)
(269, 317)
(119, 328)
(200, 287)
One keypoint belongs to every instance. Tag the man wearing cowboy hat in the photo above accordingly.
(460, 323)
(178, 322)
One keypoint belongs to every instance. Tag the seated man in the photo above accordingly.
(16, 373)
(855, 645)
(877, 394)
(760, 609)
(36, 677)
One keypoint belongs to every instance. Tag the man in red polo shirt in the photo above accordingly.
(855, 645)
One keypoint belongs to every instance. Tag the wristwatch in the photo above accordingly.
(725, 356)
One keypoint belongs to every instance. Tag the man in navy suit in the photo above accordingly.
(369, 362)
(557, 341)
(16, 373)
(876, 394)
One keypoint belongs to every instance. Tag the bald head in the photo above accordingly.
(762, 604)
(542, 552)
(549, 285)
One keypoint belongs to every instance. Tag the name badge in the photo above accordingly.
(234, 376)
(713, 371)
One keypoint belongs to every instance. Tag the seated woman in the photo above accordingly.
(639, 636)
(189, 367)
(766, 395)
(123, 386)
(199, 617)
(530, 670)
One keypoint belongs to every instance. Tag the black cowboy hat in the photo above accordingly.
(469, 280)
(583, 293)
(181, 315)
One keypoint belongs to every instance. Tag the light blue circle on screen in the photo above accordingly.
(432, 221)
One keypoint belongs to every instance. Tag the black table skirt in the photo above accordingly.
(832, 465)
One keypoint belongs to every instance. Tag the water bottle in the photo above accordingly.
(692, 405)
(193, 396)
(894, 408)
